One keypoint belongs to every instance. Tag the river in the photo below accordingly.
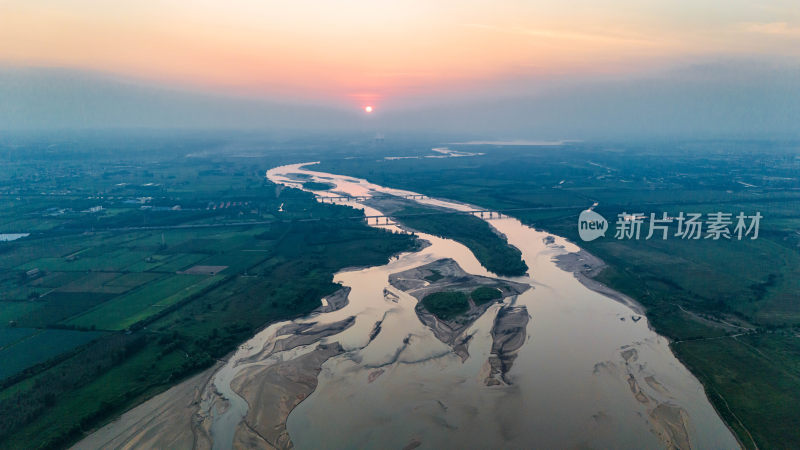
(591, 372)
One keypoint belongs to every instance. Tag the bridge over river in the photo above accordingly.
(361, 198)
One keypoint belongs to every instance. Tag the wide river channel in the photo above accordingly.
(590, 374)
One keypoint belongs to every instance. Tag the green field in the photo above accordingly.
(58, 306)
(114, 260)
(9, 336)
(171, 263)
(753, 382)
(122, 312)
(39, 347)
(10, 311)
(96, 282)
(134, 279)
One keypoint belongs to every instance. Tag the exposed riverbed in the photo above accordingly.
(558, 365)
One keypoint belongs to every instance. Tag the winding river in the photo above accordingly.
(591, 373)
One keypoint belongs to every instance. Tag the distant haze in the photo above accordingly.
(510, 69)
(734, 98)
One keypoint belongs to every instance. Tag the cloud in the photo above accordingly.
(773, 28)
(607, 37)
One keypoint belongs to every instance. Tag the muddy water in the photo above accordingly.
(588, 374)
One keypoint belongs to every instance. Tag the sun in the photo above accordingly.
(368, 109)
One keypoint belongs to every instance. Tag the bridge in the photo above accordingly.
(389, 219)
(361, 198)
(386, 219)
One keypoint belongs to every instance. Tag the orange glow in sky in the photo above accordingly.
(368, 109)
(339, 50)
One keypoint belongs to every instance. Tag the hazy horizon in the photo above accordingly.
(725, 98)
(523, 70)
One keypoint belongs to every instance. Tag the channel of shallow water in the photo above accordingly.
(587, 375)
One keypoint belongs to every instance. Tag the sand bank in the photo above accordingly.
(585, 267)
(447, 275)
(508, 336)
(168, 420)
(272, 392)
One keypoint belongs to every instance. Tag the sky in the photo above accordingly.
(394, 55)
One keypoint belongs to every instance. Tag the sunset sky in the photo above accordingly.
(376, 50)
(556, 69)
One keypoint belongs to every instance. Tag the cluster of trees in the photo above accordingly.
(446, 305)
(491, 249)
(25, 405)
(485, 294)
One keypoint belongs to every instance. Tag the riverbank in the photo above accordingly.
(168, 420)
(585, 267)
